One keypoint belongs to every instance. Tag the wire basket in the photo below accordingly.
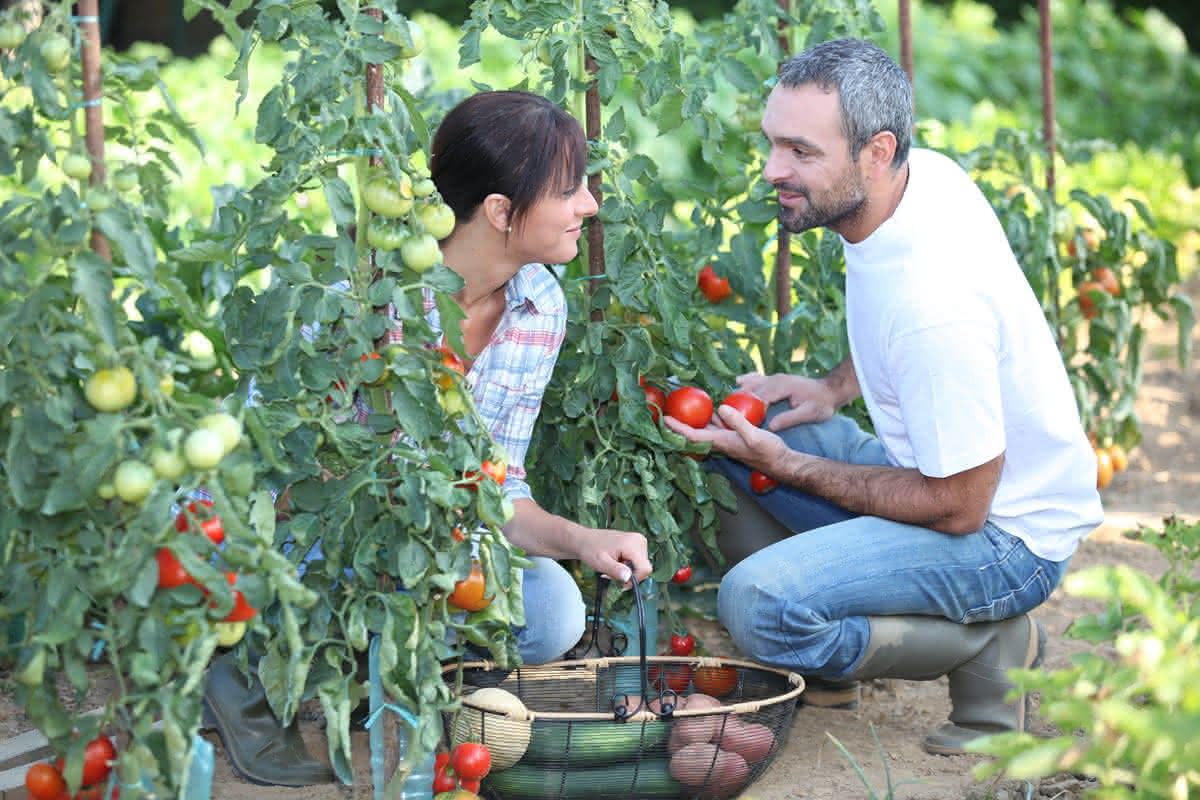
(624, 727)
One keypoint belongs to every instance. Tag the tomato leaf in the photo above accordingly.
(91, 278)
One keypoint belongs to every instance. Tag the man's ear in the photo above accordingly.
(879, 152)
(496, 209)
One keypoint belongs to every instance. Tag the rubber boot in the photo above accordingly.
(748, 530)
(258, 747)
(976, 657)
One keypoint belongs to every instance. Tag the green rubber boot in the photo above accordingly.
(260, 749)
(976, 657)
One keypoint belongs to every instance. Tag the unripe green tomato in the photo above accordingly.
(437, 219)
(97, 199)
(421, 252)
(166, 385)
(388, 198)
(229, 633)
(125, 179)
(410, 46)
(56, 53)
(167, 464)
(424, 187)
(77, 166)
(12, 34)
(199, 347)
(226, 427)
(34, 670)
(106, 491)
(133, 480)
(111, 390)
(203, 448)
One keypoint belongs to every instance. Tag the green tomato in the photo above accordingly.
(11, 35)
(77, 166)
(167, 464)
(389, 198)
(421, 252)
(203, 448)
(110, 390)
(56, 53)
(97, 199)
(437, 219)
(125, 179)
(133, 480)
(226, 427)
(229, 633)
(411, 43)
(166, 385)
(424, 187)
(386, 234)
(106, 491)
(34, 670)
(453, 402)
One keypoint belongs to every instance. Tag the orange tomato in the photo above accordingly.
(1120, 459)
(1087, 297)
(44, 782)
(1104, 468)
(1108, 280)
(1091, 242)
(468, 593)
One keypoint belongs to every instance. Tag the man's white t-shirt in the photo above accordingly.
(957, 363)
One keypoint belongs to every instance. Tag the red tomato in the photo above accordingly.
(471, 760)
(443, 782)
(1108, 280)
(690, 405)
(749, 405)
(713, 287)
(714, 681)
(242, 610)
(440, 762)
(96, 759)
(672, 676)
(760, 483)
(682, 645)
(656, 399)
(497, 471)
(470, 785)
(1088, 297)
(44, 782)
(682, 575)
(212, 527)
(170, 572)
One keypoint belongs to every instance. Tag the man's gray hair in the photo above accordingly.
(874, 92)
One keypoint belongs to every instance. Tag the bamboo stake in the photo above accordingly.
(93, 111)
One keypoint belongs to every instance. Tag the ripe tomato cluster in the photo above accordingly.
(1109, 461)
(1103, 281)
(45, 781)
(462, 768)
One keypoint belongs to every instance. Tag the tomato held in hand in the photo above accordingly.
(748, 405)
(713, 287)
(682, 645)
(468, 593)
(761, 484)
(682, 575)
(44, 782)
(690, 405)
(471, 760)
(714, 681)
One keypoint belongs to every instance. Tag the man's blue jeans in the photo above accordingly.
(803, 602)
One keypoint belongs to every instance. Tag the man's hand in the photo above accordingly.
(756, 448)
(812, 400)
(605, 550)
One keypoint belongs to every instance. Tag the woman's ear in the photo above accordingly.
(496, 209)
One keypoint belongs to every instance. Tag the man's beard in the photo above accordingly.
(843, 203)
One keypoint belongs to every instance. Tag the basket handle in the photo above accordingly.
(668, 698)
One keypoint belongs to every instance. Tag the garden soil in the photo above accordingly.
(1163, 478)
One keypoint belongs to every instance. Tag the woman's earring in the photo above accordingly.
(509, 229)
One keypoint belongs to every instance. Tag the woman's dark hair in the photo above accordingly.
(515, 143)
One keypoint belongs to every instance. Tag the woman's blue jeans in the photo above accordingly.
(803, 602)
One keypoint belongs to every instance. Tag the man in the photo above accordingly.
(924, 546)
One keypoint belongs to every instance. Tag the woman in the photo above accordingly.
(511, 165)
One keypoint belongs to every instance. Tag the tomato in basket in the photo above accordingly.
(670, 676)
(715, 681)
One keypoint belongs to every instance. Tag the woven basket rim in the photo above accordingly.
(749, 706)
